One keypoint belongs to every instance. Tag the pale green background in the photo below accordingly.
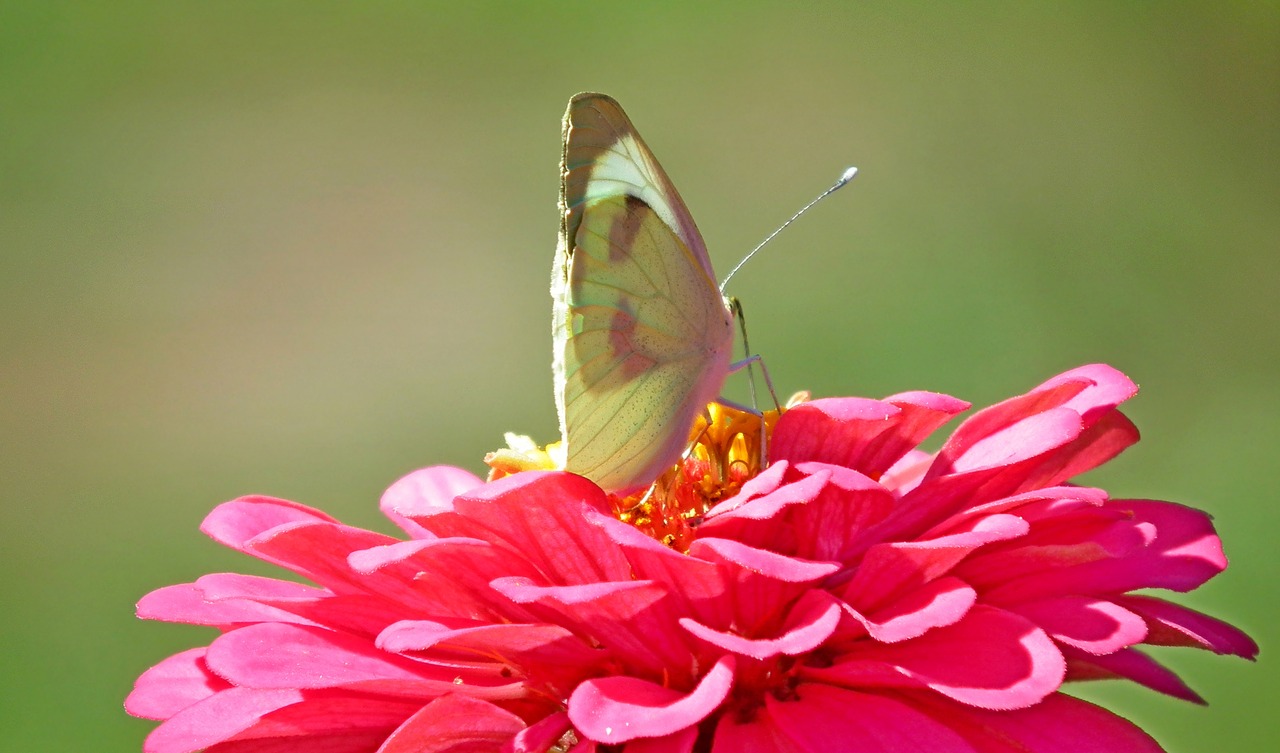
(303, 248)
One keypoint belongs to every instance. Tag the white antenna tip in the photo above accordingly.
(845, 177)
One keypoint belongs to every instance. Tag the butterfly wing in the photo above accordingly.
(642, 335)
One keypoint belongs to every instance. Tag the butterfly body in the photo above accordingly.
(642, 336)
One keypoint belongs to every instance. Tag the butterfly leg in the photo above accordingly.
(753, 409)
(747, 363)
(753, 359)
(750, 358)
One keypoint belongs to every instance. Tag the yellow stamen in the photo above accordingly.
(726, 448)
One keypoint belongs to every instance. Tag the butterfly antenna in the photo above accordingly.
(844, 178)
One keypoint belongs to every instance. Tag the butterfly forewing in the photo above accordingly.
(604, 156)
(642, 335)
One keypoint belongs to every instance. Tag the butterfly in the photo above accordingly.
(642, 335)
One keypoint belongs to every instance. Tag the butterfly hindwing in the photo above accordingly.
(642, 335)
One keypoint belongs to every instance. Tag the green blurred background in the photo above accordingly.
(303, 248)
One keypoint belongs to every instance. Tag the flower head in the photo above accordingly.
(856, 594)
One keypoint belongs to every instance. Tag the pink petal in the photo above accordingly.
(1056, 563)
(271, 656)
(454, 724)
(216, 718)
(235, 522)
(620, 616)
(930, 501)
(320, 551)
(821, 715)
(626, 599)
(222, 586)
(1181, 552)
(1089, 393)
(765, 482)
(1051, 503)
(864, 435)
(760, 561)
(764, 507)
(892, 568)
(835, 430)
(1095, 626)
(990, 659)
(425, 492)
(1101, 441)
(1104, 387)
(186, 603)
(1058, 724)
(1058, 430)
(922, 413)
(813, 516)
(349, 742)
(697, 587)
(754, 733)
(504, 640)
(906, 474)
(813, 619)
(1130, 664)
(450, 576)
(979, 428)
(1187, 551)
(1175, 625)
(677, 742)
(172, 685)
(271, 600)
(539, 516)
(849, 504)
(1022, 439)
(941, 602)
(373, 559)
(332, 713)
(762, 583)
(939, 503)
(549, 653)
(618, 709)
(540, 736)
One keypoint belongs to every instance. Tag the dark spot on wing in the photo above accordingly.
(625, 229)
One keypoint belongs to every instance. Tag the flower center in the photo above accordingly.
(727, 446)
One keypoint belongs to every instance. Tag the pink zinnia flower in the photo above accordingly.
(856, 594)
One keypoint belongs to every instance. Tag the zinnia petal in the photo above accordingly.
(172, 685)
(991, 659)
(454, 724)
(1130, 664)
(423, 493)
(813, 619)
(868, 436)
(618, 709)
(1095, 626)
(217, 718)
(273, 656)
(859, 592)
(821, 715)
(1174, 625)
(1058, 724)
